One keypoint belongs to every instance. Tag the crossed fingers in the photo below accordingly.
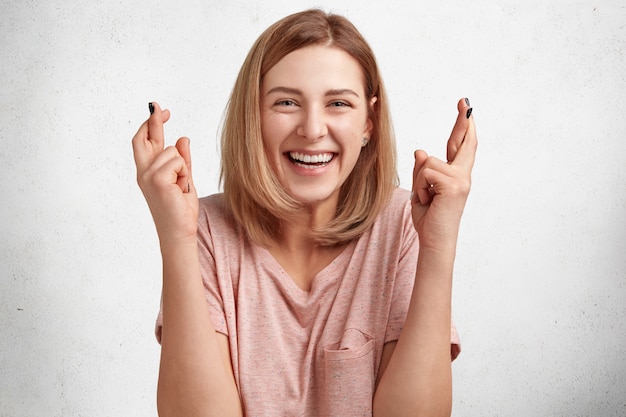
(432, 176)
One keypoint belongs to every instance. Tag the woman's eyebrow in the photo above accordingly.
(341, 92)
(287, 90)
(329, 93)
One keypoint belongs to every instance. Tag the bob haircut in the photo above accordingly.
(253, 194)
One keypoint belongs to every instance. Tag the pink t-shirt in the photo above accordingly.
(316, 353)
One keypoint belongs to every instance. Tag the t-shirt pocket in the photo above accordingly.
(349, 375)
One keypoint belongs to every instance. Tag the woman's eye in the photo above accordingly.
(285, 103)
(339, 104)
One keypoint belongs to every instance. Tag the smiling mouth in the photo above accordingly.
(310, 161)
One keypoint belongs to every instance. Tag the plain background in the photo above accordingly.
(540, 280)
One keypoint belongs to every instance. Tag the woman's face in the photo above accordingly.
(314, 117)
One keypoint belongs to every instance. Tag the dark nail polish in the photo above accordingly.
(469, 113)
(467, 102)
(151, 107)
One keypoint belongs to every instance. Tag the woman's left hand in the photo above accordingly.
(440, 189)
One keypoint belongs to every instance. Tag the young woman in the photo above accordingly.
(301, 289)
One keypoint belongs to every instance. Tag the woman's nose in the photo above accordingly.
(312, 124)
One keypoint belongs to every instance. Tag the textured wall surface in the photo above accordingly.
(540, 283)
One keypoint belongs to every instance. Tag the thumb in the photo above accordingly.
(420, 194)
(417, 208)
(185, 180)
(420, 158)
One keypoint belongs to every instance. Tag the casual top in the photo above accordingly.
(315, 353)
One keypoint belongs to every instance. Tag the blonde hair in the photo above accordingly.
(252, 193)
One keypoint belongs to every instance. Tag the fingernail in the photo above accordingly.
(151, 107)
(467, 101)
(469, 113)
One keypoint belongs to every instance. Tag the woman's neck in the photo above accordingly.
(297, 251)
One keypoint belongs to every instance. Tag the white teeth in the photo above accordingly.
(311, 159)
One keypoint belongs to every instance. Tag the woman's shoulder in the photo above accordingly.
(400, 197)
(399, 204)
(392, 233)
(212, 202)
(395, 218)
(212, 214)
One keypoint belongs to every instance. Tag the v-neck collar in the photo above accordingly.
(323, 280)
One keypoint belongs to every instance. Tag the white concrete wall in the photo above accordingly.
(540, 287)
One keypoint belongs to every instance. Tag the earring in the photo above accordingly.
(364, 142)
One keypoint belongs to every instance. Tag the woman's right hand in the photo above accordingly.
(164, 176)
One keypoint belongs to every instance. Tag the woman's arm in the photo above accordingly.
(415, 375)
(196, 376)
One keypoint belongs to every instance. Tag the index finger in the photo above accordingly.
(459, 129)
(155, 125)
(148, 141)
(466, 154)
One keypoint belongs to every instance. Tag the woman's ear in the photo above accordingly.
(370, 123)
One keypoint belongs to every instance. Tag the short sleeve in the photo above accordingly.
(405, 274)
(208, 271)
